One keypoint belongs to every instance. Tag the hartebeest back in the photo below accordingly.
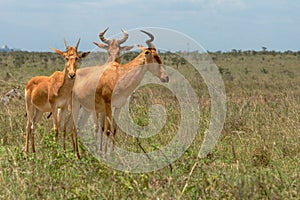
(50, 93)
(94, 90)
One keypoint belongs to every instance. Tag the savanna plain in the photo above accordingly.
(257, 155)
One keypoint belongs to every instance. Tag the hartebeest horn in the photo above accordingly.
(101, 36)
(124, 38)
(77, 43)
(149, 42)
(66, 43)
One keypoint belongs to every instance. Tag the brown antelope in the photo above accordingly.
(94, 88)
(50, 93)
(114, 49)
(113, 46)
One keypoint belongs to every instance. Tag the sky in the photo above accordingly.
(217, 25)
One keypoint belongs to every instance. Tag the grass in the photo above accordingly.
(256, 157)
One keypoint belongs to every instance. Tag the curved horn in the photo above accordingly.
(101, 36)
(66, 43)
(77, 43)
(149, 42)
(124, 38)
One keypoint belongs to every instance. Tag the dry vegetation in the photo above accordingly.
(257, 156)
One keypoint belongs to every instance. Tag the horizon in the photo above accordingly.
(13, 49)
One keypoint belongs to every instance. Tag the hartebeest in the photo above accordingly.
(114, 49)
(113, 46)
(94, 89)
(50, 93)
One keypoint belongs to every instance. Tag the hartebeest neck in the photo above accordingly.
(68, 83)
(131, 74)
(138, 61)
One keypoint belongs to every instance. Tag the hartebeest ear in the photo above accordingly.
(126, 48)
(103, 46)
(58, 51)
(83, 54)
(140, 47)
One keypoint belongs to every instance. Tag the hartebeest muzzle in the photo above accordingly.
(72, 75)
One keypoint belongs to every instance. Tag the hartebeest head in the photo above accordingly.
(71, 57)
(152, 59)
(113, 46)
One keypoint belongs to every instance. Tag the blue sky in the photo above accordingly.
(37, 25)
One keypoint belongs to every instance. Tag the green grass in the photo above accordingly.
(256, 157)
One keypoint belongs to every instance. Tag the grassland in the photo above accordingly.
(257, 155)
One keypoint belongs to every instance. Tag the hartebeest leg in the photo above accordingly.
(70, 126)
(37, 117)
(114, 126)
(96, 123)
(62, 125)
(102, 120)
(108, 124)
(55, 114)
(30, 114)
(96, 130)
(115, 119)
(73, 120)
(28, 133)
(75, 146)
